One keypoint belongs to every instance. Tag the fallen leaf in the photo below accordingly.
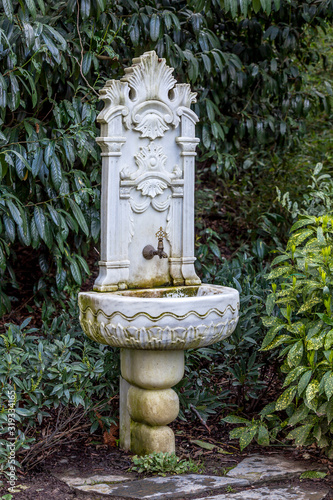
(204, 444)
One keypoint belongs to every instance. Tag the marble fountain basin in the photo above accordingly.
(174, 318)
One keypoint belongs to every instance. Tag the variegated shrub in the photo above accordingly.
(300, 322)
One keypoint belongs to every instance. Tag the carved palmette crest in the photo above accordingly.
(148, 97)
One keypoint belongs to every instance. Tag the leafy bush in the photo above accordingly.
(245, 64)
(303, 328)
(318, 198)
(60, 379)
(163, 464)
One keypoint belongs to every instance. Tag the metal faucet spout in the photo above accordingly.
(149, 251)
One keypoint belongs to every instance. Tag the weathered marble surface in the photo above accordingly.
(148, 149)
(75, 479)
(259, 468)
(158, 488)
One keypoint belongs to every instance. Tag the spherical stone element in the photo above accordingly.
(146, 439)
(152, 369)
(159, 407)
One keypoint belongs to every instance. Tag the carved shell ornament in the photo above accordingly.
(152, 125)
(152, 187)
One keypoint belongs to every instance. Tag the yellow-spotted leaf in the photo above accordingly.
(299, 237)
(247, 436)
(328, 340)
(312, 390)
(271, 334)
(286, 398)
(300, 434)
(295, 354)
(276, 342)
(329, 386)
(316, 342)
(279, 271)
(294, 374)
(309, 305)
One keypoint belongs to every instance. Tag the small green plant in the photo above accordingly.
(230, 489)
(163, 463)
(313, 474)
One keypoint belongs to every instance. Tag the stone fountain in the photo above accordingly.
(147, 298)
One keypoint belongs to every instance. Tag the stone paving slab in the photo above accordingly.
(75, 479)
(270, 493)
(260, 468)
(158, 488)
(253, 470)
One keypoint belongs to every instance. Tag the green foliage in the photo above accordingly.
(317, 200)
(313, 474)
(49, 370)
(243, 58)
(163, 464)
(302, 329)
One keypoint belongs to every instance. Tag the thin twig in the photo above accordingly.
(82, 51)
(199, 417)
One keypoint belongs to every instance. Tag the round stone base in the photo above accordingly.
(146, 439)
(147, 402)
(152, 407)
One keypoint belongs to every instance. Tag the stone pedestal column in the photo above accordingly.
(147, 402)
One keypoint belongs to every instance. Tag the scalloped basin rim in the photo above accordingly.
(182, 317)
(185, 293)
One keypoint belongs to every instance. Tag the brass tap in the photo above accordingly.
(149, 251)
